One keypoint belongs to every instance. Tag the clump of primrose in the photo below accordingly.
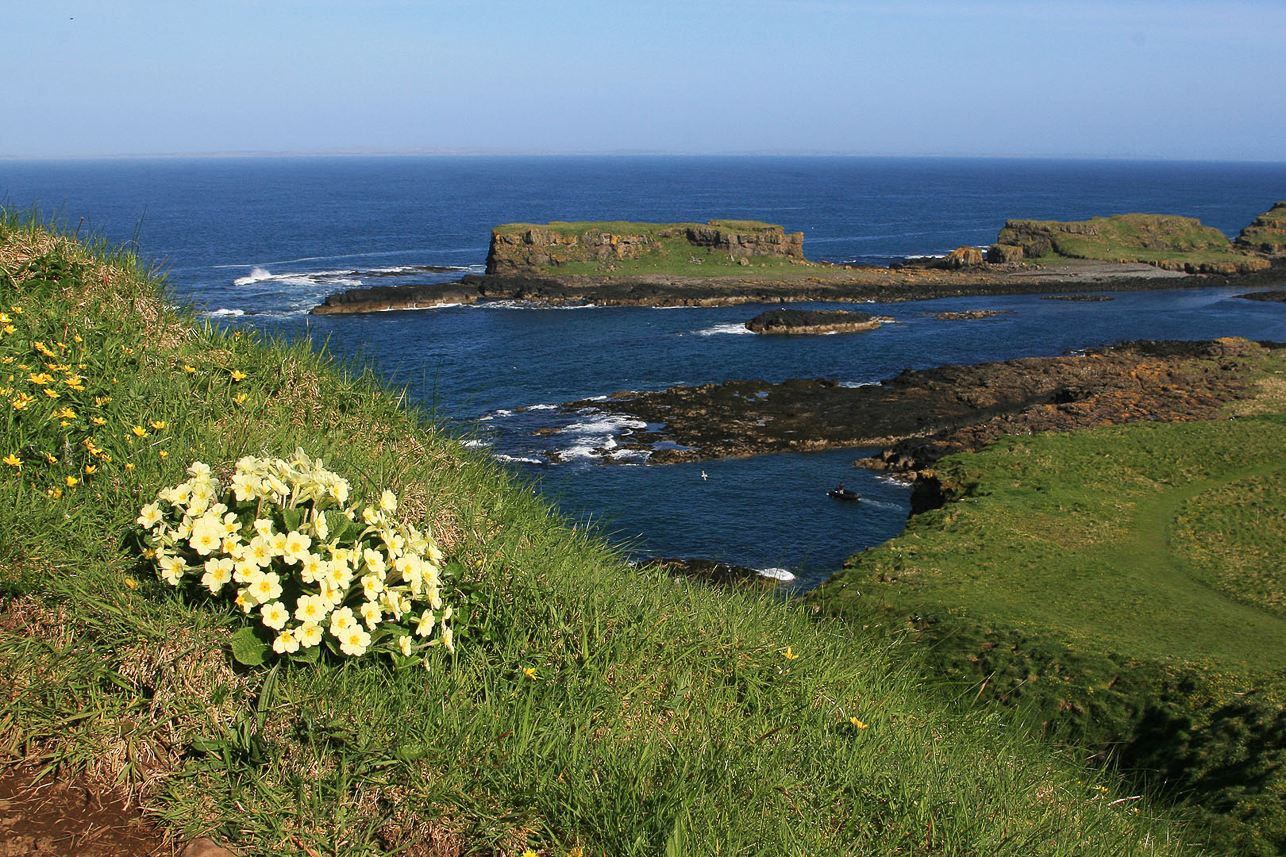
(315, 571)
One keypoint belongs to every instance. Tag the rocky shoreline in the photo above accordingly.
(813, 282)
(923, 414)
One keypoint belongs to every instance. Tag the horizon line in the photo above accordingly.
(479, 151)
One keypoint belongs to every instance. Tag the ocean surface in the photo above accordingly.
(257, 242)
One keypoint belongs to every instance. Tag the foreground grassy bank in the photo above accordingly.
(590, 708)
(1123, 587)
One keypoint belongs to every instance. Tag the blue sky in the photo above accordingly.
(1167, 79)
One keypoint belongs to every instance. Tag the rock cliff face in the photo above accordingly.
(1267, 234)
(527, 249)
(1166, 241)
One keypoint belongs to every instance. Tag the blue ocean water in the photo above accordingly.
(259, 241)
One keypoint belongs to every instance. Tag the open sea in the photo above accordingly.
(258, 241)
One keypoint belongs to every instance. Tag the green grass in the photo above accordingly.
(1104, 578)
(1135, 237)
(624, 227)
(591, 708)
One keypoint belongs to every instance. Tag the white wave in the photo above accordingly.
(855, 384)
(256, 275)
(775, 573)
(515, 459)
(608, 425)
(582, 451)
(737, 327)
(222, 311)
(473, 443)
(542, 407)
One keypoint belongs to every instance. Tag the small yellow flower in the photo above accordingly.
(72, 481)
(9, 328)
(55, 492)
(239, 398)
(66, 414)
(129, 465)
(91, 469)
(20, 403)
(76, 338)
(529, 672)
(131, 583)
(4, 319)
(789, 654)
(41, 378)
(98, 421)
(162, 453)
(12, 460)
(139, 431)
(859, 724)
(238, 375)
(49, 456)
(158, 424)
(189, 369)
(100, 401)
(53, 394)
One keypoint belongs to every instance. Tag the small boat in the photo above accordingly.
(847, 495)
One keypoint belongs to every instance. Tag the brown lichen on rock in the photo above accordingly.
(1267, 234)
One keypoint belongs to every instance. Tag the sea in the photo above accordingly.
(256, 242)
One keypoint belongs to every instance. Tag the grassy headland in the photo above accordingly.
(1123, 587)
(591, 708)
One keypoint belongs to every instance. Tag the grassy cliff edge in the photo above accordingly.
(591, 708)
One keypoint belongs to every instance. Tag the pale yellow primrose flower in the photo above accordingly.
(217, 573)
(274, 615)
(354, 641)
(286, 643)
(310, 634)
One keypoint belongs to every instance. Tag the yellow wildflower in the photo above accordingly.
(4, 319)
(163, 453)
(53, 394)
(789, 654)
(859, 724)
(529, 672)
(91, 469)
(76, 338)
(131, 583)
(49, 456)
(139, 431)
(9, 328)
(189, 369)
(16, 310)
(66, 414)
(238, 375)
(158, 424)
(76, 382)
(98, 421)
(20, 403)
(129, 465)
(55, 492)
(100, 401)
(239, 398)
(41, 378)
(12, 460)
(72, 481)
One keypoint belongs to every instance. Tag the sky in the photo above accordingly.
(1170, 79)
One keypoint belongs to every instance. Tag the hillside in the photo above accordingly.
(588, 707)
(1123, 588)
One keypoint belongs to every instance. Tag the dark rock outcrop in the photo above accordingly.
(811, 321)
(921, 415)
(382, 298)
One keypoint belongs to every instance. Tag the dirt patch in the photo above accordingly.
(60, 819)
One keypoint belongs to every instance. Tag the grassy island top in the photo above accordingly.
(590, 708)
(625, 227)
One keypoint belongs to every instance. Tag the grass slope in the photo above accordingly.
(591, 708)
(1090, 576)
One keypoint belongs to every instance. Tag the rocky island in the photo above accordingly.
(812, 321)
(729, 262)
